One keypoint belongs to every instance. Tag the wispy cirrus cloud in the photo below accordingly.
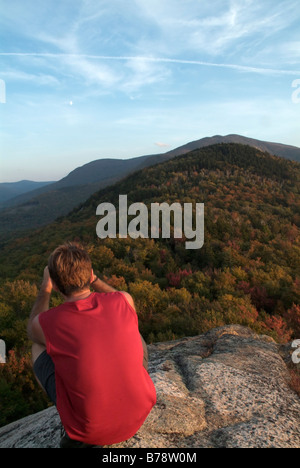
(231, 29)
(40, 79)
(226, 35)
(142, 71)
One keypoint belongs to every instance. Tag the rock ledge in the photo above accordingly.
(227, 388)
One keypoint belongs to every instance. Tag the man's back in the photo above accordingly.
(104, 393)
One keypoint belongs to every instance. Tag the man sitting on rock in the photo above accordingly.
(88, 354)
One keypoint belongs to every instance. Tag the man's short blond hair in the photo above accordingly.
(70, 268)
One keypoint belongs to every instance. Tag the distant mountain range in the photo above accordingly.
(9, 190)
(37, 204)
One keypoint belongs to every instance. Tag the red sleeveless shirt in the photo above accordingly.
(104, 394)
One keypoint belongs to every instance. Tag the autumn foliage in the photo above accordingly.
(247, 272)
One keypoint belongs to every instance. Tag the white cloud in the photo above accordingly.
(90, 71)
(162, 145)
(223, 28)
(39, 79)
(140, 72)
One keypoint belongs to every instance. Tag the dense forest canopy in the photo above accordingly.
(246, 273)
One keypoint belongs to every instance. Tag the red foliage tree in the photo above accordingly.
(280, 327)
(175, 279)
(259, 296)
(293, 320)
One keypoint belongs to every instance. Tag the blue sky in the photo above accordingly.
(89, 79)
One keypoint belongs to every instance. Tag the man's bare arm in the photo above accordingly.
(41, 304)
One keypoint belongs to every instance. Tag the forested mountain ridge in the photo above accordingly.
(41, 206)
(247, 272)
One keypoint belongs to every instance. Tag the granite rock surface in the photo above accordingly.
(226, 388)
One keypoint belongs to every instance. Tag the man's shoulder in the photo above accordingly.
(119, 296)
(128, 298)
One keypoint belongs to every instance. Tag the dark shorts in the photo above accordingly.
(45, 372)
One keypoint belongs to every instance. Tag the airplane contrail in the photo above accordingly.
(243, 68)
